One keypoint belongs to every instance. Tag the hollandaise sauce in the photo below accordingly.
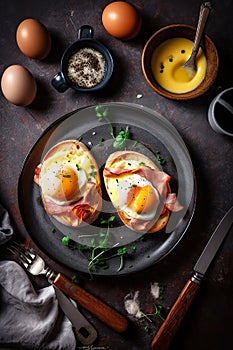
(167, 61)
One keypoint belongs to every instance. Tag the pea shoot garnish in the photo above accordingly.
(121, 252)
(158, 312)
(97, 252)
(133, 307)
(121, 138)
(102, 114)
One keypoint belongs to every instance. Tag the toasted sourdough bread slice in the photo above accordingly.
(130, 156)
(86, 208)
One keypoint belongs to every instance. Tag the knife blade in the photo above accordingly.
(83, 329)
(213, 245)
(172, 322)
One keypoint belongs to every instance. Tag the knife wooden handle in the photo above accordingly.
(94, 305)
(172, 322)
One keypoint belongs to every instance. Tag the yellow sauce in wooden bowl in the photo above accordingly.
(167, 61)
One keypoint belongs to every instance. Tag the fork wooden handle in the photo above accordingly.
(94, 305)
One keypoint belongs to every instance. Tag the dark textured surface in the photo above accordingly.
(208, 324)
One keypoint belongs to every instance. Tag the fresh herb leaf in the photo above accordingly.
(161, 291)
(111, 130)
(158, 311)
(147, 329)
(107, 221)
(65, 240)
(74, 279)
(102, 233)
(97, 253)
(101, 112)
(160, 160)
(92, 242)
(121, 138)
(122, 251)
(133, 249)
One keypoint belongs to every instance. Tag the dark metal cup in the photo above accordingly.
(62, 81)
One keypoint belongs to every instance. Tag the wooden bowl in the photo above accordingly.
(188, 32)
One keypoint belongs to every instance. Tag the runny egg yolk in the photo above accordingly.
(141, 199)
(68, 184)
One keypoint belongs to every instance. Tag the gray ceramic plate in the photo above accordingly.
(149, 133)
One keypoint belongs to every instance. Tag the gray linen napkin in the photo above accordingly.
(29, 318)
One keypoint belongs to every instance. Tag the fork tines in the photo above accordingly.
(23, 254)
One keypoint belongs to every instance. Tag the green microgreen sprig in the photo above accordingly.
(102, 114)
(159, 159)
(97, 253)
(158, 312)
(121, 138)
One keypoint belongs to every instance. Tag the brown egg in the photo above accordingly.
(121, 20)
(18, 85)
(33, 39)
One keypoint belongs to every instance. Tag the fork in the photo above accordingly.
(35, 265)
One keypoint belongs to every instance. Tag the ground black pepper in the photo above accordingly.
(86, 67)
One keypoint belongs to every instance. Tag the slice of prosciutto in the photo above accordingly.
(159, 179)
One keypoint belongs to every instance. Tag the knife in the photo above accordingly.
(169, 327)
(84, 331)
